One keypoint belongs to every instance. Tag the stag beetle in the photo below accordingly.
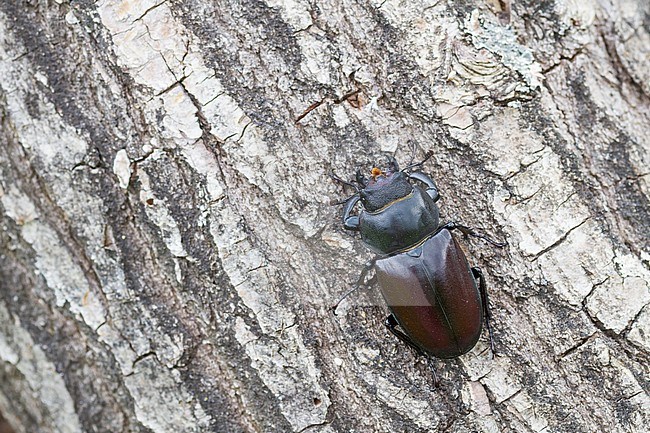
(433, 294)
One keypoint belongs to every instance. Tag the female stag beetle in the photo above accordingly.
(433, 294)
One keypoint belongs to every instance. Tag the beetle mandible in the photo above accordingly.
(433, 294)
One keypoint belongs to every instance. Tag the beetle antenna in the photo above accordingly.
(344, 182)
(413, 148)
(417, 164)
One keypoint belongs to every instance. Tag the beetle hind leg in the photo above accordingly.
(482, 287)
(391, 324)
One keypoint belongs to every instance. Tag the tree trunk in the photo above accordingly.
(169, 255)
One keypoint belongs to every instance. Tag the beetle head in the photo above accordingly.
(384, 187)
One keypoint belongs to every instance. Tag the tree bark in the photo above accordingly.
(169, 254)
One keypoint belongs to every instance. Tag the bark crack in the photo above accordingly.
(571, 58)
(140, 358)
(149, 10)
(559, 241)
(575, 347)
(619, 65)
(348, 96)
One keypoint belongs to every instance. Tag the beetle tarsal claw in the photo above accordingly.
(429, 363)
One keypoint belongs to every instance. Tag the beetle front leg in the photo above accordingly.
(432, 189)
(351, 222)
(482, 287)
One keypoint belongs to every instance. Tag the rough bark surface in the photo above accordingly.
(168, 253)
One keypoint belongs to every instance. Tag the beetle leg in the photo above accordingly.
(482, 287)
(432, 189)
(391, 324)
(361, 281)
(467, 231)
(351, 222)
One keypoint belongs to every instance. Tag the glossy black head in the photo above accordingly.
(396, 214)
(383, 188)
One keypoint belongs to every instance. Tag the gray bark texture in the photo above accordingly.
(169, 254)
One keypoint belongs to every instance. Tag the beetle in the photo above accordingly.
(437, 301)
